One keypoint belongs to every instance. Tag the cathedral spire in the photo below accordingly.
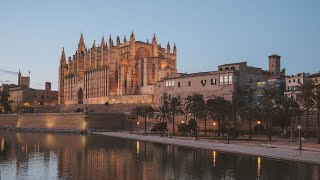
(147, 41)
(168, 48)
(124, 39)
(81, 45)
(118, 41)
(174, 49)
(94, 45)
(63, 57)
(132, 37)
(102, 44)
(110, 41)
(154, 39)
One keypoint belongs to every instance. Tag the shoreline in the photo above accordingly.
(277, 153)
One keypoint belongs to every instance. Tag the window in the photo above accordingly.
(189, 83)
(294, 80)
(203, 82)
(178, 84)
(227, 68)
(220, 69)
(298, 80)
(289, 81)
(167, 83)
(213, 81)
(230, 79)
(221, 79)
(225, 79)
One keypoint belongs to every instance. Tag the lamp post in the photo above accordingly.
(300, 145)
(259, 127)
(214, 128)
(138, 127)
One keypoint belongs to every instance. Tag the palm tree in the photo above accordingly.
(317, 102)
(267, 106)
(218, 107)
(250, 111)
(136, 112)
(286, 106)
(236, 105)
(147, 112)
(164, 114)
(306, 95)
(205, 115)
(296, 112)
(194, 106)
(175, 108)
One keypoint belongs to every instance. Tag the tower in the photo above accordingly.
(19, 78)
(62, 73)
(274, 64)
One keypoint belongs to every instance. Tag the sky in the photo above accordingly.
(207, 33)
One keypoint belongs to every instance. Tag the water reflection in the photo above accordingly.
(49, 156)
(259, 167)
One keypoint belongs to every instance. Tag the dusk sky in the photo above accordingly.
(207, 33)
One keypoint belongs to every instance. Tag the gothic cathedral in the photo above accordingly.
(122, 73)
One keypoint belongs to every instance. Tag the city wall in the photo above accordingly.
(65, 121)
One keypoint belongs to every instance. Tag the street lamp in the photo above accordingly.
(259, 127)
(214, 128)
(300, 145)
(138, 127)
(182, 122)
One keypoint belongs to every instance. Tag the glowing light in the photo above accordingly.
(138, 123)
(259, 122)
(2, 144)
(138, 147)
(182, 122)
(214, 124)
(214, 159)
(259, 167)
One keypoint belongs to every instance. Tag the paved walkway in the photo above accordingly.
(264, 150)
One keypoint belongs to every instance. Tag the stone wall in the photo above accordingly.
(70, 121)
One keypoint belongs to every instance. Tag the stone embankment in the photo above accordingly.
(48, 130)
(281, 153)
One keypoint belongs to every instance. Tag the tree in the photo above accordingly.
(297, 112)
(236, 105)
(136, 112)
(250, 111)
(175, 108)
(205, 115)
(164, 114)
(317, 102)
(286, 106)
(218, 108)
(267, 106)
(147, 112)
(194, 106)
(306, 95)
(5, 101)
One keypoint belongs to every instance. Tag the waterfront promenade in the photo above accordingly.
(274, 151)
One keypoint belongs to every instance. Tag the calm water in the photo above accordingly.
(51, 156)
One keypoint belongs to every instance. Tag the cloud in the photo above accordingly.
(4, 71)
(5, 81)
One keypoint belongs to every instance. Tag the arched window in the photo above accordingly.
(220, 69)
(232, 68)
(227, 68)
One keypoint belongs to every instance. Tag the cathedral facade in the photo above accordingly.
(124, 72)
